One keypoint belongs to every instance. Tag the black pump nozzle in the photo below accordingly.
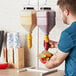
(45, 8)
(29, 8)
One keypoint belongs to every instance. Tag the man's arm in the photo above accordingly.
(56, 60)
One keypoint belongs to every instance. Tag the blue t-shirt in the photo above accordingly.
(67, 44)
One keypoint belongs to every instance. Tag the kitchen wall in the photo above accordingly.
(10, 22)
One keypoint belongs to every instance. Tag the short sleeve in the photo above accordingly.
(65, 42)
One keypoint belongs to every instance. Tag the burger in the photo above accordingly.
(45, 56)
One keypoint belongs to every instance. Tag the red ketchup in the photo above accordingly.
(46, 45)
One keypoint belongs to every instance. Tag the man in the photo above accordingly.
(67, 44)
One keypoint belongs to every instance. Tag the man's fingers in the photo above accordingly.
(53, 45)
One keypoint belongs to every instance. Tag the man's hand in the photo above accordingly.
(56, 59)
(53, 44)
